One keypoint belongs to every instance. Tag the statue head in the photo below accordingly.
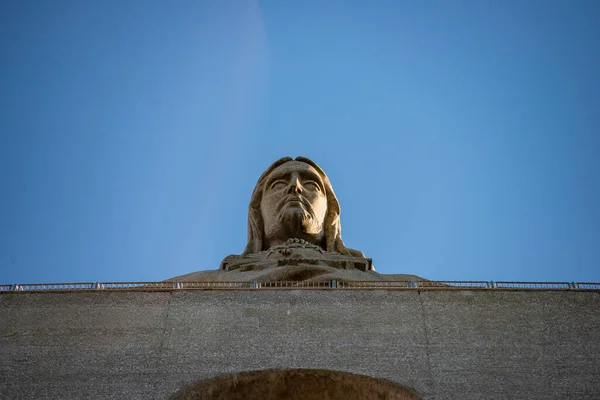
(294, 199)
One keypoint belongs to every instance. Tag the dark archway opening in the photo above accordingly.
(295, 384)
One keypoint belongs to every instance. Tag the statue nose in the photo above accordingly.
(295, 186)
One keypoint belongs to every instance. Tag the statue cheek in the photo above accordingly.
(320, 205)
(267, 206)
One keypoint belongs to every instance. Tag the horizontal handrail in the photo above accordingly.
(295, 284)
(534, 285)
(332, 284)
(589, 285)
(372, 284)
(211, 285)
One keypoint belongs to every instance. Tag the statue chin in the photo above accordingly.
(295, 220)
(295, 223)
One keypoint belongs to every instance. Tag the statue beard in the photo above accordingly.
(301, 221)
(297, 223)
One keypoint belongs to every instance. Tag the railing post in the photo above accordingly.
(411, 283)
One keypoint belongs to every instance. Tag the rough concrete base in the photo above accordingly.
(446, 344)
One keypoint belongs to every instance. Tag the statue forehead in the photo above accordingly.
(294, 166)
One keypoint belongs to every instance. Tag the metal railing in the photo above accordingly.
(452, 284)
(332, 284)
(212, 285)
(50, 286)
(588, 285)
(373, 285)
(133, 285)
(296, 285)
(533, 285)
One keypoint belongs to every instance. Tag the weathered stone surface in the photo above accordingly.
(295, 252)
(446, 344)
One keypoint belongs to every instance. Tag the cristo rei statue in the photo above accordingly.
(294, 233)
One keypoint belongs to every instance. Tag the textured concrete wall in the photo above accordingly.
(445, 344)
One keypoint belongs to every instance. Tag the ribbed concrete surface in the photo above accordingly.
(446, 344)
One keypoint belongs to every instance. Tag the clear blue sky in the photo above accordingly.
(462, 137)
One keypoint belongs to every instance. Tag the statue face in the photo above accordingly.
(293, 204)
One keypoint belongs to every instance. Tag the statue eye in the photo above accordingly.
(312, 185)
(278, 185)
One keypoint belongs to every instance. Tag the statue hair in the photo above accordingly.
(333, 230)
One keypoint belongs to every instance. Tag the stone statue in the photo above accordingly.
(294, 219)
(294, 233)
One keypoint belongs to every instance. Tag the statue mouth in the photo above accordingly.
(293, 201)
(297, 206)
(294, 204)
